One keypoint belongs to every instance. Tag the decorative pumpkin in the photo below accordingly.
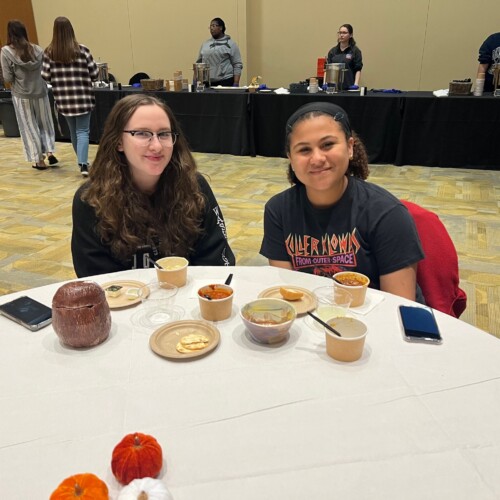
(136, 456)
(83, 486)
(145, 489)
(80, 314)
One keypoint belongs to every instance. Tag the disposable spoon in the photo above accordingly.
(326, 325)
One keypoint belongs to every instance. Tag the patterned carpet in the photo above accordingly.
(35, 216)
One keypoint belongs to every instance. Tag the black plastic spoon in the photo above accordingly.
(326, 325)
(155, 263)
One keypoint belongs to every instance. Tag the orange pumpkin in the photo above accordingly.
(84, 486)
(136, 456)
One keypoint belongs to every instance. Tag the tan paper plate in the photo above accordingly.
(122, 300)
(305, 304)
(164, 340)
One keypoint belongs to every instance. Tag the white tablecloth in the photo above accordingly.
(248, 421)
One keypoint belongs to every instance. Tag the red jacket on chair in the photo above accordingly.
(437, 273)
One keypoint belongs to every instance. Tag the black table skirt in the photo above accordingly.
(412, 128)
(376, 120)
(450, 132)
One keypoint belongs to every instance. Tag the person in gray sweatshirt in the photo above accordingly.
(223, 56)
(21, 67)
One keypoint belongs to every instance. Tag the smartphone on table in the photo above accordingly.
(27, 312)
(419, 325)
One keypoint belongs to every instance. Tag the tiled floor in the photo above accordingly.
(35, 216)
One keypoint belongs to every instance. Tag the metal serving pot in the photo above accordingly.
(103, 72)
(201, 74)
(334, 73)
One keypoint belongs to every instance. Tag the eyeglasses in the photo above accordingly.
(145, 136)
(214, 26)
(342, 32)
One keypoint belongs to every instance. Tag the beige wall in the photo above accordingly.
(157, 37)
(406, 44)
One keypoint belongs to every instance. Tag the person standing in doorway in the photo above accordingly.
(70, 68)
(21, 64)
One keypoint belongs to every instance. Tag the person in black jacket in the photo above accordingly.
(144, 197)
(346, 51)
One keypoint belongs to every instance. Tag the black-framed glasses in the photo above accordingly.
(146, 136)
(342, 32)
(214, 26)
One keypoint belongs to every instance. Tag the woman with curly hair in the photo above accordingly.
(144, 197)
(331, 219)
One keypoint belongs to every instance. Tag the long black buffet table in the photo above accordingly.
(412, 128)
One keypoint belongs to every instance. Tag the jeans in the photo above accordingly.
(79, 129)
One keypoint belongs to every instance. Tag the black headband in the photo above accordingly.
(336, 112)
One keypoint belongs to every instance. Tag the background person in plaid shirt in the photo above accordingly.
(70, 68)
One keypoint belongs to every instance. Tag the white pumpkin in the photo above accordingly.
(146, 488)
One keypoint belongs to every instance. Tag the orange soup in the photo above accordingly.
(214, 293)
(351, 279)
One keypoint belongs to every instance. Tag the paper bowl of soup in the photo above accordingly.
(268, 320)
(356, 283)
(216, 302)
(173, 270)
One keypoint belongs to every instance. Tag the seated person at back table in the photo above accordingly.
(144, 197)
(331, 220)
(489, 54)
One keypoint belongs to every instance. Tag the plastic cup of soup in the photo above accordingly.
(174, 270)
(348, 347)
(355, 283)
(216, 302)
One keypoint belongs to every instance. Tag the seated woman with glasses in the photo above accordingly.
(346, 51)
(144, 198)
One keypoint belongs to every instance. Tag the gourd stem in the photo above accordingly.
(78, 490)
(143, 496)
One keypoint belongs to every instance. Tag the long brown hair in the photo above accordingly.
(64, 47)
(129, 217)
(17, 38)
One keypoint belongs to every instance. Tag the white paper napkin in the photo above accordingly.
(441, 93)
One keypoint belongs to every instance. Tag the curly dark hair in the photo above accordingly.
(358, 165)
(127, 217)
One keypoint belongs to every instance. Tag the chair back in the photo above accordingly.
(437, 273)
(137, 78)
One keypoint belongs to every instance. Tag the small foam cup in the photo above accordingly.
(348, 347)
(215, 309)
(174, 270)
(358, 292)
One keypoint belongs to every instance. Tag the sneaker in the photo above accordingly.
(84, 169)
(39, 167)
(53, 160)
